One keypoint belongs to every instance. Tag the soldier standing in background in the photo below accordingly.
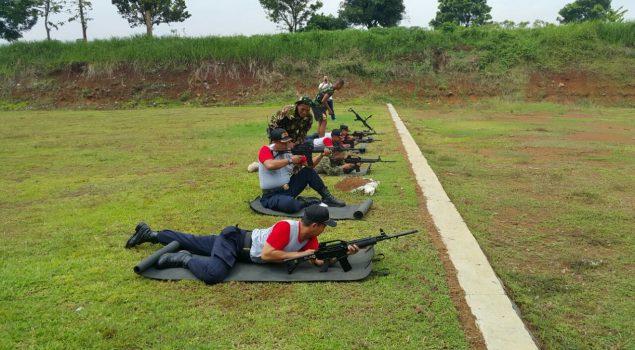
(321, 105)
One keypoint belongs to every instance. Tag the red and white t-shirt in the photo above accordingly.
(280, 235)
(284, 235)
(266, 153)
(322, 142)
(270, 179)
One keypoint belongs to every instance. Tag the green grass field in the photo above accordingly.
(548, 191)
(74, 183)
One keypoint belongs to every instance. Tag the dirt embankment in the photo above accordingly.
(79, 85)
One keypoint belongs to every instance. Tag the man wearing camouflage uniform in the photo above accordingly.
(295, 119)
(331, 167)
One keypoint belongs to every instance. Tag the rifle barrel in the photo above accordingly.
(338, 249)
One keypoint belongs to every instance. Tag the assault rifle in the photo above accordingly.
(302, 149)
(362, 134)
(361, 119)
(338, 249)
(349, 149)
(352, 142)
(367, 140)
(358, 160)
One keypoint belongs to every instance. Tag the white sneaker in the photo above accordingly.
(253, 167)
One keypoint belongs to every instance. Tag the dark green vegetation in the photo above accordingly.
(290, 14)
(151, 12)
(372, 13)
(401, 62)
(16, 18)
(548, 192)
(377, 53)
(590, 10)
(74, 184)
(462, 13)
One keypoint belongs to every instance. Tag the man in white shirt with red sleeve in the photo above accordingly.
(320, 143)
(334, 165)
(279, 183)
(287, 239)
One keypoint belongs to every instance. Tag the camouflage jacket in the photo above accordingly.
(288, 119)
(325, 90)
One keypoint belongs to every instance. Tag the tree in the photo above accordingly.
(79, 12)
(462, 12)
(46, 9)
(151, 12)
(325, 22)
(372, 13)
(590, 10)
(17, 16)
(290, 13)
(615, 15)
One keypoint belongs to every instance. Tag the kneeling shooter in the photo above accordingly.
(281, 184)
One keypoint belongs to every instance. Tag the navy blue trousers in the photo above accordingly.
(220, 251)
(285, 201)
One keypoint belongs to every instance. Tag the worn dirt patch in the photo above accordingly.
(605, 132)
(566, 87)
(558, 153)
(350, 183)
(216, 83)
(530, 118)
(602, 137)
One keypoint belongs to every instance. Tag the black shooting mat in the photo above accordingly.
(356, 211)
(305, 272)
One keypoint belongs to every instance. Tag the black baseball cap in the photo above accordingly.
(343, 127)
(279, 134)
(319, 214)
(336, 132)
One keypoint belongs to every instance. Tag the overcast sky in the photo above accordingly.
(246, 17)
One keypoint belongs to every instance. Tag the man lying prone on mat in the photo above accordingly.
(287, 239)
(280, 180)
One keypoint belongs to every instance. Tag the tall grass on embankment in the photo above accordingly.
(480, 62)
(348, 51)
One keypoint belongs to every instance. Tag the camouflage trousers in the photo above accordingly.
(330, 167)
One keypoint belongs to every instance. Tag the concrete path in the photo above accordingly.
(495, 315)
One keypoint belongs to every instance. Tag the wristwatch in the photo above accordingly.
(290, 161)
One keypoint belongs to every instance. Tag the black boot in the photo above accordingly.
(142, 234)
(307, 201)
(329, 199)
(179, 259)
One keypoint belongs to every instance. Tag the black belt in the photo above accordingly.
(247, 241)
(275, 190)
(244, 253)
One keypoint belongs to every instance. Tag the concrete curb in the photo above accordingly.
(495, 316)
